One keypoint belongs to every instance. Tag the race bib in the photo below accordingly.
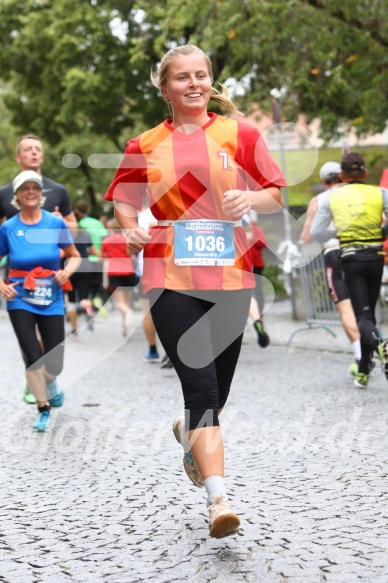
(42, 295)
(204, 242)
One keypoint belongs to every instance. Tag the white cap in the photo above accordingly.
(26, 176)
(330, 169)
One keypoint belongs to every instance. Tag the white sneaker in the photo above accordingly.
(191, 469)
(222, 520)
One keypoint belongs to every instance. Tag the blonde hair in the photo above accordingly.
(159, 76)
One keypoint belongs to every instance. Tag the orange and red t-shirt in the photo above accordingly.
(185, 177)
(259, 243)
(115, 248)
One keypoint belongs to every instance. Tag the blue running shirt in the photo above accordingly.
(30, 246)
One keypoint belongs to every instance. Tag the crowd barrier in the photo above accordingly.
(319, 308)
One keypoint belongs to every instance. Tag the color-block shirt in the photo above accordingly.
(115, 248)
(185, 177)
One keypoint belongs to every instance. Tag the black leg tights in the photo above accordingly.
(201, 333)
(363, 280)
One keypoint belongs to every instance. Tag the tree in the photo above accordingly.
(77, 71)
(73, 80)
(76, 65)
(68, 71)
(8, 167)
(326, 60)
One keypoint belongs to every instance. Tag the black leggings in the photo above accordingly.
(206, 357)
(52, 333)
(258, 290)
(80, 281)
(363, 281)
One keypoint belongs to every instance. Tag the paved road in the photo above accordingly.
(103, 497)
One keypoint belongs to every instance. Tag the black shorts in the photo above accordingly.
(80, 281)
(116, 281)
(335, 281)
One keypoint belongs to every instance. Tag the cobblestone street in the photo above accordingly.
(103, 496)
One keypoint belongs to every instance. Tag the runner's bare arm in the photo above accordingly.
(73, 263)
(311, 210)
(7, 290)
(238, 202)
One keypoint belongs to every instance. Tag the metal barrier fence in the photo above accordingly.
(319, 307)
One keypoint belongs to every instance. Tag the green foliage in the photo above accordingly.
(274, 274)
(300, 194)
(69, 73)
(76, 72)
(8, 140)
(69, 80)
(328, 61)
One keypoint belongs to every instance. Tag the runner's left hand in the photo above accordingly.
(236, 203)
(61, 276)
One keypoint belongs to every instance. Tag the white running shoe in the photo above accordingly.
(222, 520)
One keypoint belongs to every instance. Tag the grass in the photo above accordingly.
(302, 169)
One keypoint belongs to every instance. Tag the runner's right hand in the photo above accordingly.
(137, 239)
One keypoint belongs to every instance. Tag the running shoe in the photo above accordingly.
(151, 356)
(353, 370)
(58, 400)
(166, 362)
(361, 380)
(222, 520)
(191, 469)
(55, 395)
(383, 354)
(262, 336)
(99, 305)
(43, 421)
(28, 397)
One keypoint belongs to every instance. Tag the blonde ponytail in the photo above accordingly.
(223, 99)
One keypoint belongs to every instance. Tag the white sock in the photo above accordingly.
(215, 485)
(357, 349)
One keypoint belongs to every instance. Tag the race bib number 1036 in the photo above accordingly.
(204, 242)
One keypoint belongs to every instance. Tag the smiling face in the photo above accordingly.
(29, 195)
(188, 87)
